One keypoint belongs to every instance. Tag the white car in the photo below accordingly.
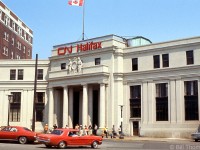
(196, 136)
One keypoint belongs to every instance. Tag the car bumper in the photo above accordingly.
(195, 137)
(43, 141)
(100, 142)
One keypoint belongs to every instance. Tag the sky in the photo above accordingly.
(54, 22)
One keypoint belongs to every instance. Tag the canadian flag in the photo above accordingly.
(76, 2)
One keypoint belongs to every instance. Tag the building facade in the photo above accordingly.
(17, 78)
(149, 89)
(16, 37)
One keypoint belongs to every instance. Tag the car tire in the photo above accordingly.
(62, 145)
(196, 140)
(22, 140)
(48, 146)
(95, 145)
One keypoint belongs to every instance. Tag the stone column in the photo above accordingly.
(180, 109)
(102, 106)
(90, 106)
(70, 108)
(51, 107)
(151, 102)
(85, 105)
(65, 106)
(144, 101)
(172, 101)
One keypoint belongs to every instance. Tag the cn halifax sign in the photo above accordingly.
(79, 47)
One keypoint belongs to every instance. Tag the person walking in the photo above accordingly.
(95, 129)
(119, 130)
(46, 128)
(55, 126)
(113, 132)
(106, 132)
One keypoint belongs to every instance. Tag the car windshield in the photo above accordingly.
(57, 132)
(27, 129)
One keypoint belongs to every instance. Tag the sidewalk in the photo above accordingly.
(137, 138)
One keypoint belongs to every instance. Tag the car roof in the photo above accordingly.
(67, 129)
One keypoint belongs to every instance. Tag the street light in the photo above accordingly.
(9, 99)
(121, 135)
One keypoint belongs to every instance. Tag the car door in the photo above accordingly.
(11, 133)
(84, 140)
(14, 133)
(5, 133)
(73, 139)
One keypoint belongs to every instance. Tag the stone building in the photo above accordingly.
(16, 38)
(151, 89)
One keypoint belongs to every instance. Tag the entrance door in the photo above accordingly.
(76, 108)
(135, 128)
(95, 107)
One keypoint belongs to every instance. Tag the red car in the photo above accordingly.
(62, 138)
(15, 133)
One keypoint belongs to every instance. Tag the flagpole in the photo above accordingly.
(83, 34)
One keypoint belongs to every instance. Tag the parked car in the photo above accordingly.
(196, 136)
(62, 138)
(16, 133)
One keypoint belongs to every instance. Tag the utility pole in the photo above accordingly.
(34, 97)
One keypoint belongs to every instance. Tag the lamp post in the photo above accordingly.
(9, 99)
(121, 135)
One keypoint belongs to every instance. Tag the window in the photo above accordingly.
(165, 59)
(190, 57)
(13, 41)
(19, 30)
(39, 105)
(17, 57)
(63, 66)
(6, 36)
(13, 25)
(191, 100)
(20, 74)
(7, 20)
(134, 64)
(156, 59)
(29, 39)
(24, 47)
(11, 55)
(97, 61)
(135, 101)
(24, 35)
(15, 105)
(12, 74)
(5, 50)
(29, 52)
(40, 74)
(162, 102)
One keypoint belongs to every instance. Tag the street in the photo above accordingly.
(115, 144)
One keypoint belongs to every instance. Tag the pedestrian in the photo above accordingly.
(119, 130)
(106, 132)
(113, 132)
(55, 126)
(90, 130)
(85, 131)
(46, 128)
(80, 130)
(77, 127)
(95, 129)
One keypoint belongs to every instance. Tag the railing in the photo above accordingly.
(98, 69)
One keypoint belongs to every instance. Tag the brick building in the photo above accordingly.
(15, 37)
